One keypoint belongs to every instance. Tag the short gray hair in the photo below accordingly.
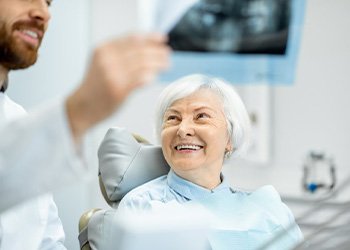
(237, 118)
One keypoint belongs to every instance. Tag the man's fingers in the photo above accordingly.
(156, 38)
(148, 55)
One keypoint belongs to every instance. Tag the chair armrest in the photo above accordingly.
(83, 228)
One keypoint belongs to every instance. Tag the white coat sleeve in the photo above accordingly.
(53, 236)
(37, 155)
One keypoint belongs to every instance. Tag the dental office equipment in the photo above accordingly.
(333, 226)
(319, 172)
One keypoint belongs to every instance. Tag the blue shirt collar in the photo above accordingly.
(192, 191)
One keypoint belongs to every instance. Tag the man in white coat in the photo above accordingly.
(40, 151)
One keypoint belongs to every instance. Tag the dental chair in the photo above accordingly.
(122, 167)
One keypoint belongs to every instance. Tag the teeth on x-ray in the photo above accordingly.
(239, 26)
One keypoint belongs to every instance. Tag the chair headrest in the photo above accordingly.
(127, 161)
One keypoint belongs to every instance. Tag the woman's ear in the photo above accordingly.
(228, 149)
(229, 146)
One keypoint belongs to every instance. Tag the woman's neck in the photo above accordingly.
(205, 179)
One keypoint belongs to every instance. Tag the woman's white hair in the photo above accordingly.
(237, 117)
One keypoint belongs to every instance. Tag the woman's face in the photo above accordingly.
(194, 135)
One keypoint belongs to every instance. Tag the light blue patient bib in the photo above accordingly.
(249, 221)
(237, 220)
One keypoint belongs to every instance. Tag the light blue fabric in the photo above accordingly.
(242, 220)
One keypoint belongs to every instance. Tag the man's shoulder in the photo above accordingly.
(11, 109)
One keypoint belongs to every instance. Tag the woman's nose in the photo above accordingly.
(40, 11)
(186, 128)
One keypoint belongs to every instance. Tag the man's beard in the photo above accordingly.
(16, 54)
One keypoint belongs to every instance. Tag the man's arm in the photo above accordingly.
(116, 69)
(39, 153)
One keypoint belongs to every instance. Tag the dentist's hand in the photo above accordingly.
(117, 68)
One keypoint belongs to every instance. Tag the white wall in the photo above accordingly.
(310, 114)
(313, 113)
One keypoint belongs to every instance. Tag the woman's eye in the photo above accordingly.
(202, 115)
(171, 118)
(49, 2)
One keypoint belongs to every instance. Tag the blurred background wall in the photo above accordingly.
(311, 114)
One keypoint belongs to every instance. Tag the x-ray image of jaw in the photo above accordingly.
(238, 26)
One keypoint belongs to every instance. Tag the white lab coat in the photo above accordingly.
(36, 149)
(32, 225)
(34, 159)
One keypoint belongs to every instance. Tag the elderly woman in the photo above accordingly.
(201, 121)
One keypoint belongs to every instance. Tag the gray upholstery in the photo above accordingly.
(98, 230)
(125, 163)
